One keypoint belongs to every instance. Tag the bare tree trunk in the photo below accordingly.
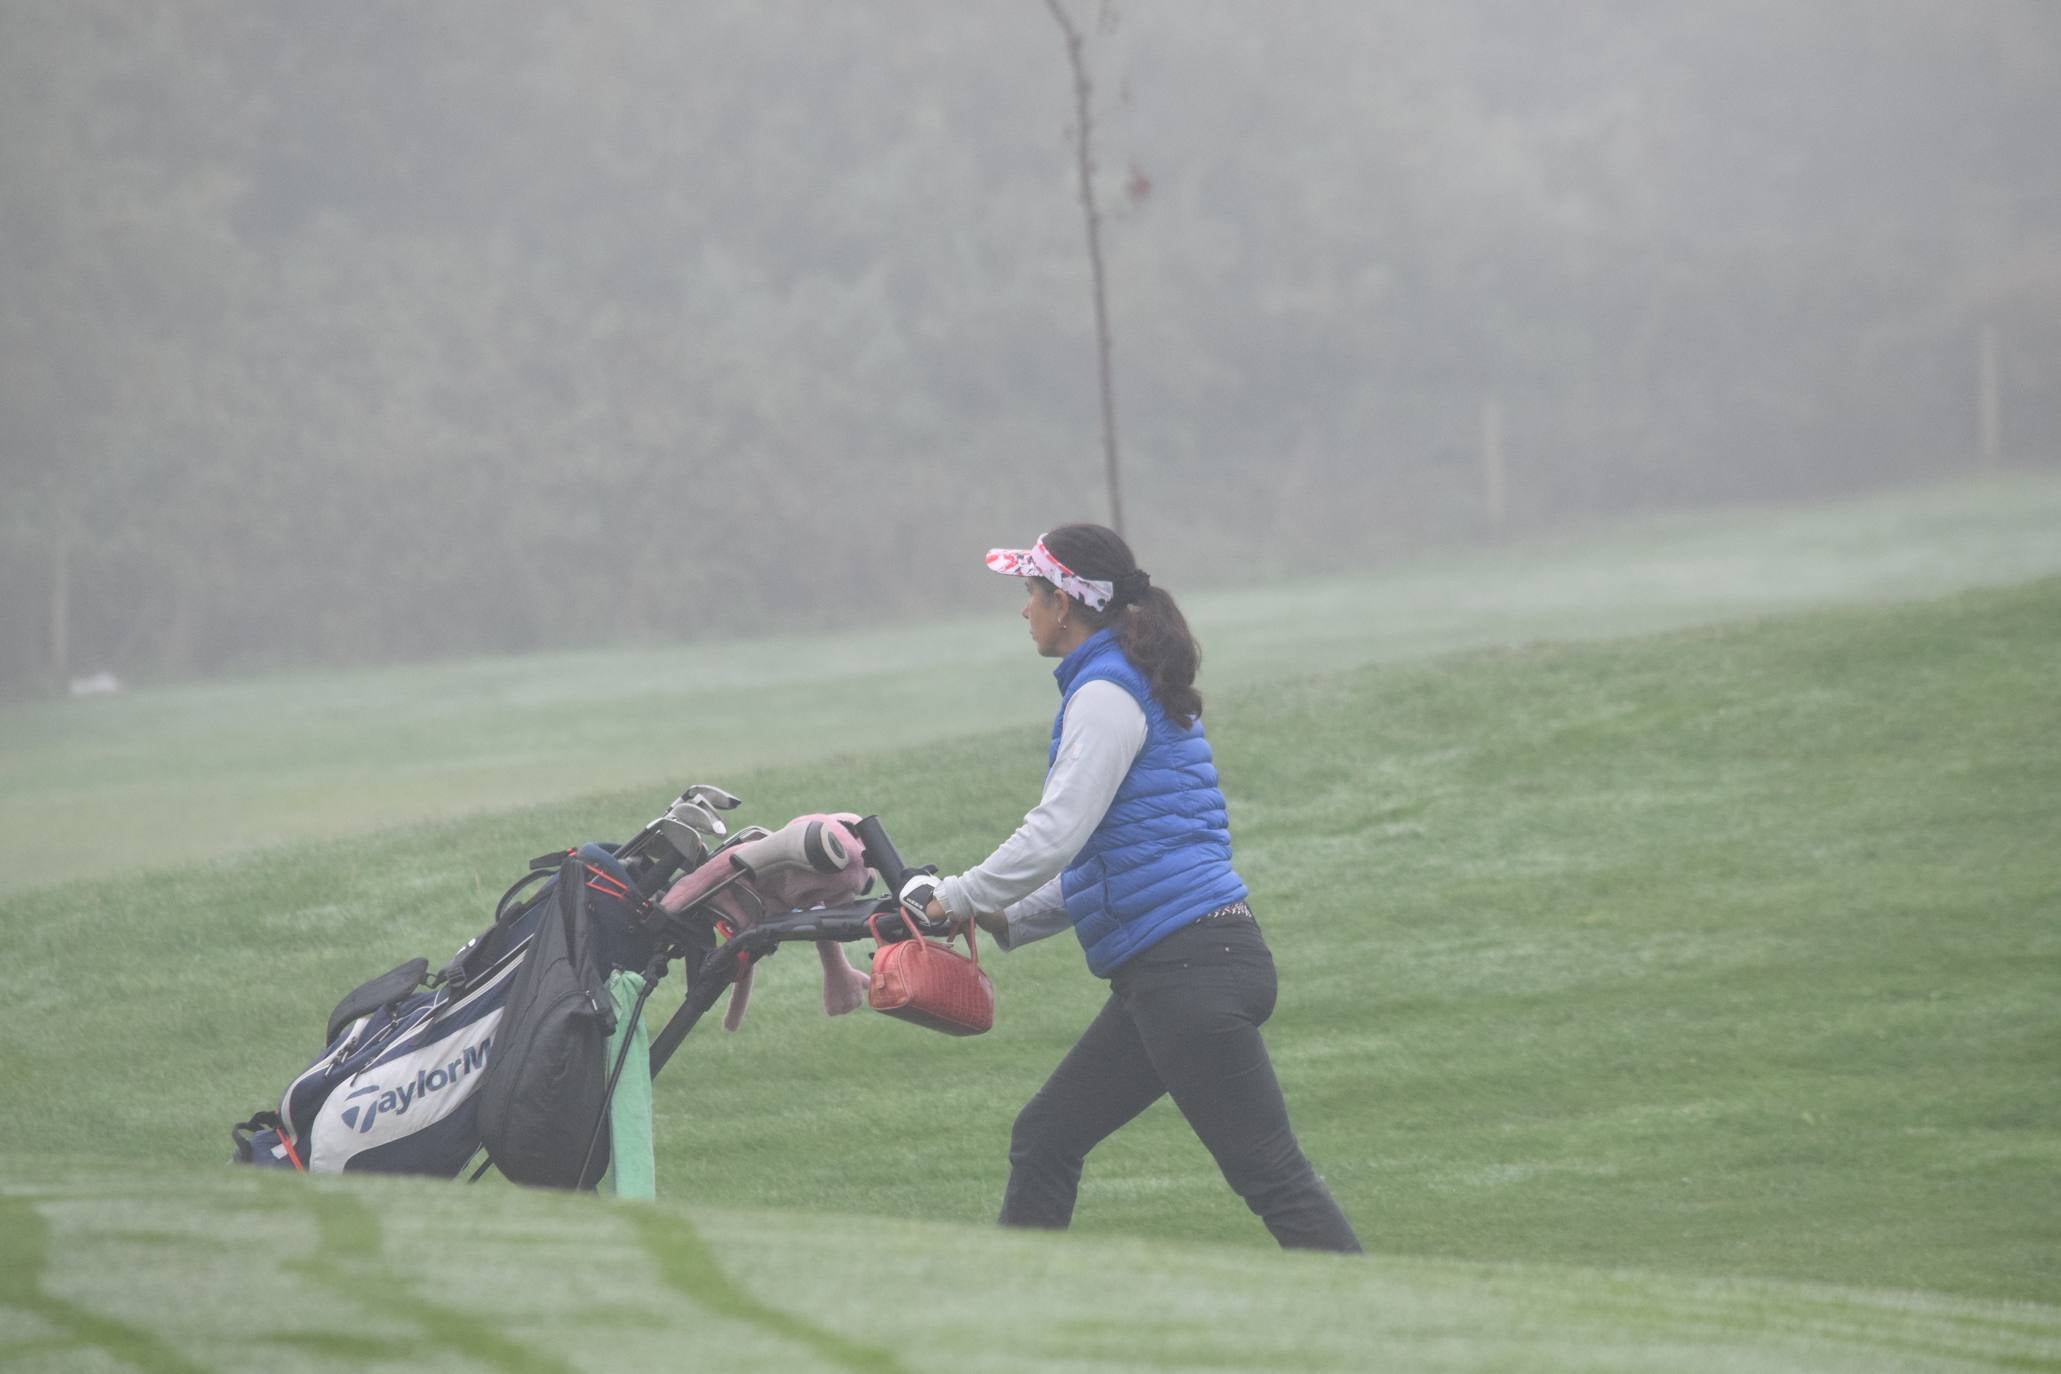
(1084, 161)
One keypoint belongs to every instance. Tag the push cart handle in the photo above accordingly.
(882, 857)
(880, 853)
(844, 924)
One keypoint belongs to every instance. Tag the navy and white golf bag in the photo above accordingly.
(398, 1090)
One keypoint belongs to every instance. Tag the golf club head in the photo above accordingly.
(684, 824)
(688, 811)
(715, 797)
(745, 836)
(685, 840)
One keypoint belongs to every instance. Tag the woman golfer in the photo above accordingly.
(1130, 847)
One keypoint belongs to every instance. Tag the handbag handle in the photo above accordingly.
(873, 927)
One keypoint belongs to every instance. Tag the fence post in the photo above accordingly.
(1989, 400)
(60, 607)
(1492, 460)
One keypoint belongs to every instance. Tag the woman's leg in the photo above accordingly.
(1105, 1080)
(1197, 1000)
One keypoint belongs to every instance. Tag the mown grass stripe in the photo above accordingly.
(1850, 1321)
(684, 1261)
(351, 1263)
(24, 1255)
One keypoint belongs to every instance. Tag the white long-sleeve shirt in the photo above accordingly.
(1101, 735)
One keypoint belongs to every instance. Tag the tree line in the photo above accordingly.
(344, 333)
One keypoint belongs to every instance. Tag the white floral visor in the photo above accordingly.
(1037, 561)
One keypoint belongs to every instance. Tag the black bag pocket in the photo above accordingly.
(385, 990)
(547, 1079)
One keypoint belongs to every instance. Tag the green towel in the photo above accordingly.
(632, 1171)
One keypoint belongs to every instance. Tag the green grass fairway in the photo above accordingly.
(167, 775)
(1631, 991)
(275, 1274)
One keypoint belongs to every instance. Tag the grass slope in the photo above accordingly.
(159, 776)
(1707, 964)
(277, 1274)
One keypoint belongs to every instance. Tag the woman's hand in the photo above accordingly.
(993, 923)
(936, 913)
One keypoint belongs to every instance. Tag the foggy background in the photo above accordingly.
(343, 332)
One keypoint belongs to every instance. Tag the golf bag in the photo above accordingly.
(408, 1068)
(504, 1047)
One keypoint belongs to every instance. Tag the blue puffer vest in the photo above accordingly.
(1162, 855)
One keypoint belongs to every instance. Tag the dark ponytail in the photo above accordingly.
(1149, 627)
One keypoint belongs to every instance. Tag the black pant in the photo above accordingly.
(1183, 1018)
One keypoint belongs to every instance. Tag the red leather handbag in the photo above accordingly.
(930, 984)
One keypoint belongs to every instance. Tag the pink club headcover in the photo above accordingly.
(784, 883)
